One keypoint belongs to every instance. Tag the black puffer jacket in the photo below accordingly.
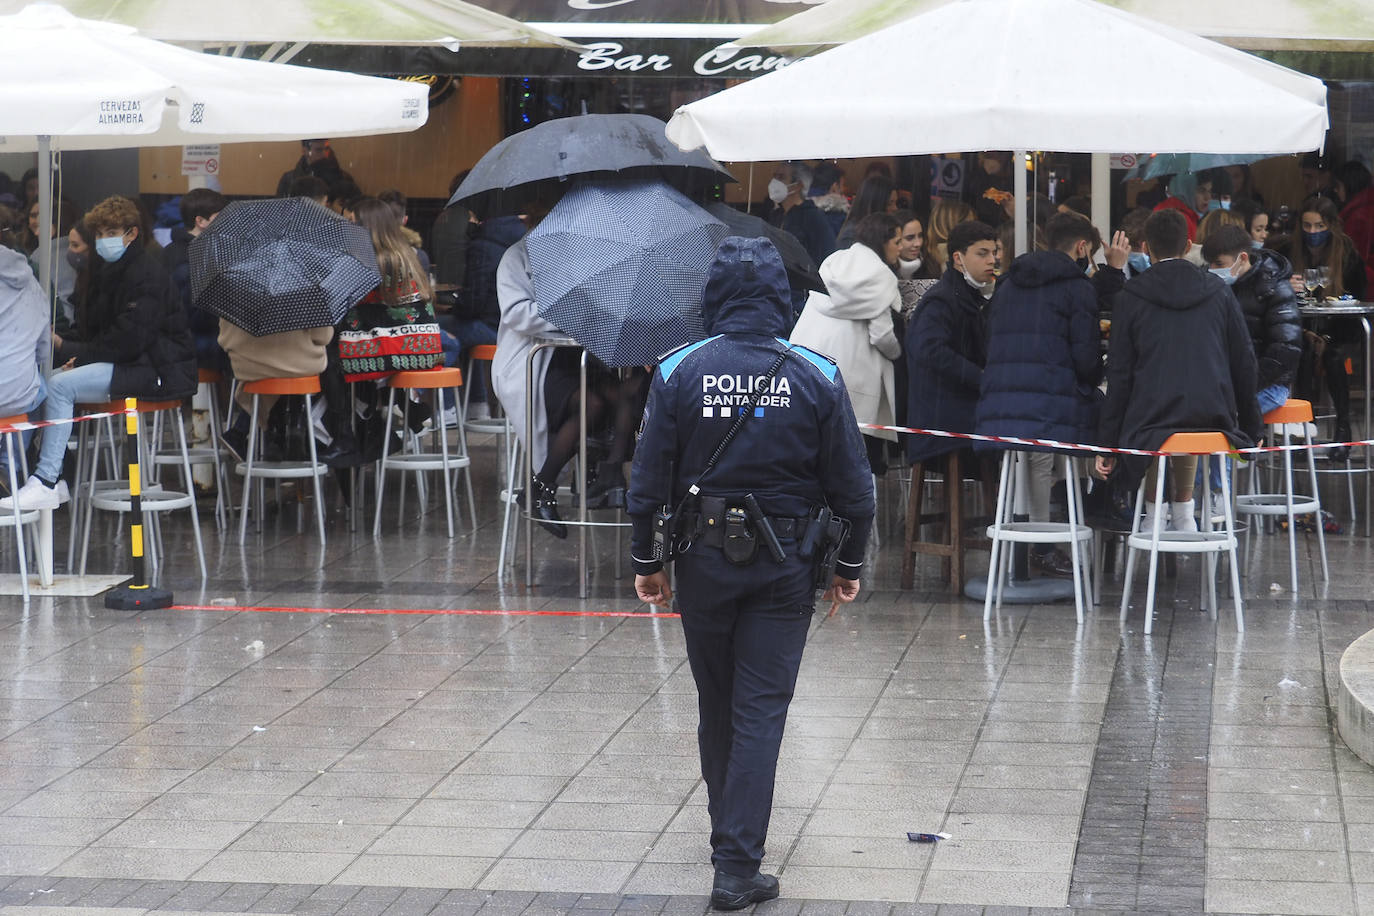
(134, 319)
(1271, 315)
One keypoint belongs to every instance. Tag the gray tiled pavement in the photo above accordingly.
(234, 761)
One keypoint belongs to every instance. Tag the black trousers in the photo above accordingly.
(746, 628)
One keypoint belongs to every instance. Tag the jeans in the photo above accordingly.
(466, 333)
(1269, 398)
(66, 388)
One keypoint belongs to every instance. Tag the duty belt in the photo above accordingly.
(708, 527)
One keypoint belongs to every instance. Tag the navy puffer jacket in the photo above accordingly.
(946, 347)
(1044, 353)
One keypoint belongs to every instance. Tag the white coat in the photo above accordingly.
(521, 326)
(853, 326)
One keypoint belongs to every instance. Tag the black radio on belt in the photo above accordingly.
(664, 537)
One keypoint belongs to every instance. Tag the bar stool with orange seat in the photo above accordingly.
(484, 354)
(210, 454)
(1206, 540)
(256, 471)
(115, 494)
(18, 518)
(412, 456)
(1286, 503)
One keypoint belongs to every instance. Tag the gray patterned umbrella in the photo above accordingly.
(281, 265)
(620, 267)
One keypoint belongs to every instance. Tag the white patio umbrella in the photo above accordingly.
(288, 25)
(1065, 75)
(74, 84)
(1253, 24)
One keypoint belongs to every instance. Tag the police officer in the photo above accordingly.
(750, 518)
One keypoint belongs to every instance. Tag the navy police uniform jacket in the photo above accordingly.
(800, 449)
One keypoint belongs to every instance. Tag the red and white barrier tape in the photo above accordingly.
(1102, 449)
(41, 424)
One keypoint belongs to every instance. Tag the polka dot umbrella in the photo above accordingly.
(281, 265)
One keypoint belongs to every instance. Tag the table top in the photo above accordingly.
(1348, 307)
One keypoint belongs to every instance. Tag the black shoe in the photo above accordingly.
(1054, 563)
(341, 453)
(1341, 453)
(546, 508)
(236, 444)
(607, 491)
(734, 893)
(420, 414)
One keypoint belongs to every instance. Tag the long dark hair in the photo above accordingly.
(1337, 251)
(873, 196)
(875, 230)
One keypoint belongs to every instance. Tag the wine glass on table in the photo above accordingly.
(1324, 279)
(1311, 279)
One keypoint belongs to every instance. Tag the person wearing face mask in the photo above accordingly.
(798, 214)
(853, 324)
(131, 340)
(1133, 225)
(1044, 360)
(1322, 242)
(946, 343)
(1254, 220)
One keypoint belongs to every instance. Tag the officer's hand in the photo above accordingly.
(654, 589)
(841, 591)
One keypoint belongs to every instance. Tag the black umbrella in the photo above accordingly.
(620, 267)
(801, 270)
(281, 265)
(535, 162)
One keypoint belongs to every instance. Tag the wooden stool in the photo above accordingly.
(255, 469)
(412, 457)
(955, 543)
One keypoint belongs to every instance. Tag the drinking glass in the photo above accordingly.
(1311, 279)
(1324, 279)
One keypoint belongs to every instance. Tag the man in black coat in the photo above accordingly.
(199, 207)
(131, 340)
(1180, 360)
(946, 342)
(317, 158)
(1259, 278)
(1045, 359)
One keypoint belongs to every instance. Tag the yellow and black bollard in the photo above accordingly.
(137, 595)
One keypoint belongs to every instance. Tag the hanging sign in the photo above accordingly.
(202, 159)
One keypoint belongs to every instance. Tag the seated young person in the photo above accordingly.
(1180, 360)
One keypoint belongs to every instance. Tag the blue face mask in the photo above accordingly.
(110, 249)
(1139, 262)
(1317, 239)
(1256, 243)
(1214, 204)
(1224, 275)
(1225, 204)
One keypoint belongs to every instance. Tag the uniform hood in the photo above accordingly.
(746, 290)
(1176, 285)
(15, 273)
(859, 284)
(1041, 268)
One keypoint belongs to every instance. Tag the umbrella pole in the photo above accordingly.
(45, 240)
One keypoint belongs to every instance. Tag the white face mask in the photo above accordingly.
(777, 191)
(984, 288)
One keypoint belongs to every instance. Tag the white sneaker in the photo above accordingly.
(64, 495)
(35, 494)
(451, 417)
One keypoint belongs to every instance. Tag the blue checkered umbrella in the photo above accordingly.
(620, 267)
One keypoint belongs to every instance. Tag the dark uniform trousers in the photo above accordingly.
(746, 627)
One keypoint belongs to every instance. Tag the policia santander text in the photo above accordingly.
(751, 541)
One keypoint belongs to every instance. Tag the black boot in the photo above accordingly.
(731, 892)
(608, 490)
(342, 452)
(546, 508)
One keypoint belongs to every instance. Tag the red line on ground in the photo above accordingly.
(465, 612)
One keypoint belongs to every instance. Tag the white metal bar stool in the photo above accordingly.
(18, 519)
(255, 470)
(209, 454)
(413, 458)
(1003, 530)
(1287, 503)
(1206, 540)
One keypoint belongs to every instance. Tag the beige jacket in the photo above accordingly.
(285, 355)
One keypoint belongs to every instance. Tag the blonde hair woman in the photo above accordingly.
(944, 216)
